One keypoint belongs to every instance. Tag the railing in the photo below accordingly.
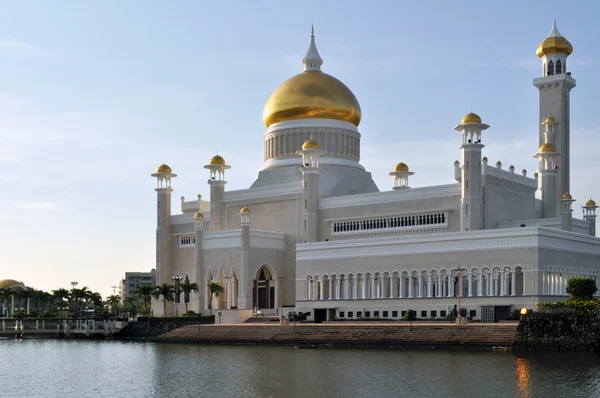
(416, 222)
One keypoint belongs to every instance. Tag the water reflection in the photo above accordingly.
(111, 368)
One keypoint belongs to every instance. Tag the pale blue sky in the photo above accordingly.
(94, 96)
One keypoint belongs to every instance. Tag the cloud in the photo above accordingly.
(36, 205)
(21, 46)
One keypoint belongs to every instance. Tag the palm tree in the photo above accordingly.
(95, 298)
(215, 290)
(41, 299)
(167, 292)
(145, 294)
(5, 295)
(130, 304)
(114, 301)
(60, 297)
(187, 287)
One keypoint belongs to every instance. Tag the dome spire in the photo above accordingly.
(312, 60)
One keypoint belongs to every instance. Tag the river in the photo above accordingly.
(81, 368)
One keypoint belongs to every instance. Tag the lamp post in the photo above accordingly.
(459, 275)
(176, 280)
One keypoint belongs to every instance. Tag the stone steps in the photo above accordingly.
(249, 333)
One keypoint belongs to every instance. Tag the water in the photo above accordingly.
(71, 368)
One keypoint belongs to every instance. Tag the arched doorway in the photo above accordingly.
(264, 289)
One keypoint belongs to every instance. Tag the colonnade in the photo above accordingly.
(494, 281)
(555, 278)
(345, 143)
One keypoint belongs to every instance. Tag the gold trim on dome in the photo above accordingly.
(471, 118)
(245, 210)
(198, 216)
(590, 203)
(311, 144)
(401, 167)
(549, 120)
(217, 160)
(312, 94)
(163, 168)
(567, 195)
(553, 45)
(547, 148)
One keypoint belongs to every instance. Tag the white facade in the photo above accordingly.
(314, 233)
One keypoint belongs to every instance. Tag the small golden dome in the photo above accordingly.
(567, 195)
(499, 162)
(523, 171)
(456, 162)
(163, 168)
(549, 120)
(245, 210)
(485, 158)
(471, 118)
(401, 167)
(312, 94)
(547, 148)
(198, 216)
(590, 203)
(554, 43)
(217, 160)
(535, 174)
(511, 166)
(311, 144)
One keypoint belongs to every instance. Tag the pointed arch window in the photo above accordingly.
(550, 68)
(558, 67)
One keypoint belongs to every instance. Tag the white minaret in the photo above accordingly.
(217, 167)
(401, 174)
(555, 86)
(164, 266)
(566, 211)
(310, 190)
(245, 290)
(589, 214)
(199, 233)
(471, 210)
(547, 180)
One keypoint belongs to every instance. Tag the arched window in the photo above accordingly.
(558, 67)
(550, 68)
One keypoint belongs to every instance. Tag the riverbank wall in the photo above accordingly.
(151, 327)
(372, 334)
(559, 332)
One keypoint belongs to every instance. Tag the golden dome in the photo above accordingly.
(311, 144)
(547, 148)
(523, 171)
(217, 160)
(590, 203)
(567, 195)
(471, 118)
(485, 158)
(245, 210)
(198, 216)
(401, 167)
(163, 168)
(456, 162)
(549, 120)
(554, 43)
(499, 162)
(312, 94)
(8, 283)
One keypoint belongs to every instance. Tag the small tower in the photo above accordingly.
(566, 211)
(310, 189)
(547, 179)
(555, 86)
(400, 174)
(471, 211)
(589, 214)
(217, 167)
(164, 267)
(244, 294)
(199, 234)
(312, 60)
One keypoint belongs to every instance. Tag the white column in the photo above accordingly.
(450, 286)
(470, 284)
(373, 288)
(330, 296)
(314, 290)
(400, 286)
(321, 290)
(513, 283)
(495, 286)
(364, 287)
(410, 287)
(480, 285)
(551, 283)
(393, 287)
(354, 287)
(348, 283)
(440, 286)
(338, 291)
(420, 285)
(502, 284)
(429, 286)
(230, 294)
(277, 294)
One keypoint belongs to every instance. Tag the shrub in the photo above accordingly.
(514, 315)
(579, 306)
(581, 288)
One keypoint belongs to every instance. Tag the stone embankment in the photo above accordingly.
(348, 334)
(559, 332)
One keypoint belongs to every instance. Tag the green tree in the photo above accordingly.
(130, 305)
(60, 298)
(114, 301)
(581, 288)
(215, 290)
(6, 296)
(42, 300)
(95, 299)
(167, 292)
(145, 293)
(187, 287)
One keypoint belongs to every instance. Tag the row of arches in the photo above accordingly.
(489, 281)
(556, 277)
(554, 68)
(282, 144)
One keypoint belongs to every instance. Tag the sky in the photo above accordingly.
(95, 95)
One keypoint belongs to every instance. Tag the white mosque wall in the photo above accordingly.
(506, 199)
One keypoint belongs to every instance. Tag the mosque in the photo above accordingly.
(314, 233)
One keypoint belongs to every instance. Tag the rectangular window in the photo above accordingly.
(434, 314)
(466, 210)
(466, 185)
(376, 314)
(423, 314)
(306, 203)
(341, 314)
(367, 314)
(359, 314)
(394, 314)
(305, 225)
(385, 314)
(443, 314)
(473, 313)
(467, 164)
(350, 314)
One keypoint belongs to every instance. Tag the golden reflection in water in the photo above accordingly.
(523, 382)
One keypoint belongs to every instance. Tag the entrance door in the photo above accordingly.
(320, 315)
(264, 291)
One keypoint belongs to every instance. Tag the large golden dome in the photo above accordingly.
(554, 43)
(11, 283)
(312, 94)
